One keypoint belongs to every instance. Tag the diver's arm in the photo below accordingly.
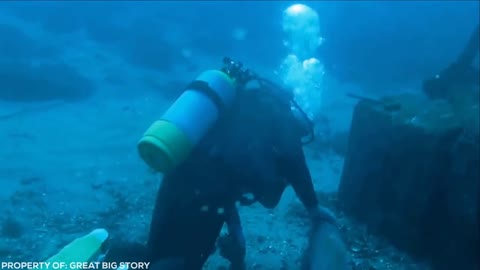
(297, 174)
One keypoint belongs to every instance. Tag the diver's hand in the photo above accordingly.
(322, 214)
(232, 250)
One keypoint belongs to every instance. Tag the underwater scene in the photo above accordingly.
(241, 135)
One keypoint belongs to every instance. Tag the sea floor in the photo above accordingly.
(66, 169)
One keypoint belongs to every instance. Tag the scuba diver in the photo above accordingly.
(231, 133)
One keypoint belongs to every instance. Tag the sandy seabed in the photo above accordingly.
(66, 169)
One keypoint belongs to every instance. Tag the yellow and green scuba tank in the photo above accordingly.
(169, 140)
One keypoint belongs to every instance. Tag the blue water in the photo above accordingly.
(80, 82)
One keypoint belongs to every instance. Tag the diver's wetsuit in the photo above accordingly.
(256, 148)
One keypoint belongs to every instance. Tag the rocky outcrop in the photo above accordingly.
(411, 174)
(23, 82)
(32, 71)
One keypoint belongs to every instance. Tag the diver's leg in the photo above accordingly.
(232, 246)
(183, 226)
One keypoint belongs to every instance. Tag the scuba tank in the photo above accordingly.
(170, 140)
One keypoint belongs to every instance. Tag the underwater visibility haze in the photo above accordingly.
(239, 135)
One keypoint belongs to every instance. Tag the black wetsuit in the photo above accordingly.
(255, 148)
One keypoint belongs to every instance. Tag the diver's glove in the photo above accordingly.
(322, 214)
(232, 249)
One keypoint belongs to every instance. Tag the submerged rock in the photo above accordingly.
(23, 82)
(19, 46)
(411, 175)
(29, 70)
(12, 228)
